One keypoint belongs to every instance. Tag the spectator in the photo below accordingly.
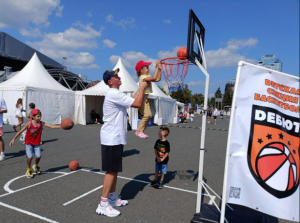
(95, 117)
(182, 118)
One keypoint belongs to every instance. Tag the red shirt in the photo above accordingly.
(33, 134)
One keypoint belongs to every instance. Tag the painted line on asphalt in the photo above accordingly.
(6, 186)
(28, 213)
(141, 181)
(81, 196)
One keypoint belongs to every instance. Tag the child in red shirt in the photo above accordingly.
(32, 140)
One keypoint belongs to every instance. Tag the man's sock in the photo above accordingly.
(112, 195)
(2, 153)
(103, 201)
(28, 169)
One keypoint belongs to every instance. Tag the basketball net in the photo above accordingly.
(175, 70)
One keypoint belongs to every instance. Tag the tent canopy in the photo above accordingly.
(34, 84)
(100, 89)
(33, 75)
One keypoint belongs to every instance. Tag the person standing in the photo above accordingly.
(113, 136)
(19, 115)
(215, 114)
(3, 109)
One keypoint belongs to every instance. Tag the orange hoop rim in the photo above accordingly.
(179, 60)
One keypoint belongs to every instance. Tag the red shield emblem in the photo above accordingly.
(273, 151)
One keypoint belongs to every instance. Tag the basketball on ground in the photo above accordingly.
(73, 165)
(67, 124)
(182, 53)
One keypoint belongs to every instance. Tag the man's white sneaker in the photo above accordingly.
(107, 210)
(118, 202)
(2, 157)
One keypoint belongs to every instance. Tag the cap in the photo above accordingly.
(140, 64)
(108, 74)
(34, 111)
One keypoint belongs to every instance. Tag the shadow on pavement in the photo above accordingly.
(14, 155)
(130, 152)
(132, 188)
(50, 140)
(240, 214)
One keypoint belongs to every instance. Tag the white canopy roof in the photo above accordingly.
(128, 83)
(158, 93)
(33, 75)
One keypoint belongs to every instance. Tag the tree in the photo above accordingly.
(197, 99)
(218, 93)
(162, 89)
(211, 102)
(182, 96)
(228, 96)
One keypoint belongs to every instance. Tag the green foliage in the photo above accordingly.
(198, 99)
(211, 102)
(218, 93)
(228, 96)
(182, 96)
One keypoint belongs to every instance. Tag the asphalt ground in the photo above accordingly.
(61, 195)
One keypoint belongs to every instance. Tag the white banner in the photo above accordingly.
(263, 165)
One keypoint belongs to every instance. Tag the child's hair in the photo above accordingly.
(19, 102)
(32, 105)
(138, 74)
(164, 128)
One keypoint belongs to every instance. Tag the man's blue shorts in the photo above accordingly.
(161, 167)
(30, 150)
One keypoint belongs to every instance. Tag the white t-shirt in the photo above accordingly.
(2, 107)
(215, 112)
(114, 130)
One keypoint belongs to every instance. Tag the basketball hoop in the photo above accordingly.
(175, 70)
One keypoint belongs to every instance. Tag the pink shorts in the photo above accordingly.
(1, 131)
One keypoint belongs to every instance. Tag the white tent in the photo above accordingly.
(165, 106)
(34, 84)
(93, 98)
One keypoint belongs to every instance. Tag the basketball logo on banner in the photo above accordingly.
(273, 151)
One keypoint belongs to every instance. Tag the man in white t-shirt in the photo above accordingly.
(113, 136)
(3, 109)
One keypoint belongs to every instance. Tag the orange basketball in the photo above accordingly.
(182, 53)
(67, 124)
(73, 165)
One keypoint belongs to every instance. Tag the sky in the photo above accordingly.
(94, 34)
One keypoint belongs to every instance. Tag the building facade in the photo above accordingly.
(230, 84)
(271, 62)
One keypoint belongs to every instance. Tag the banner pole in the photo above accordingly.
(232, 112)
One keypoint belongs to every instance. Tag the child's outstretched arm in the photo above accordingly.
(19, 133)
(157, 73)
(52, 126)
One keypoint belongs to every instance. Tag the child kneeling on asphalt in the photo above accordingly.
(32, 140)
(162, 150)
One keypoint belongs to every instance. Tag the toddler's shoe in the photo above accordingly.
(146, 136)
(140, 134)
(161, 185)
(153, 183)
(36, 169)
(29, 174)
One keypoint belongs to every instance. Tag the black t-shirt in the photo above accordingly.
(162, 148)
